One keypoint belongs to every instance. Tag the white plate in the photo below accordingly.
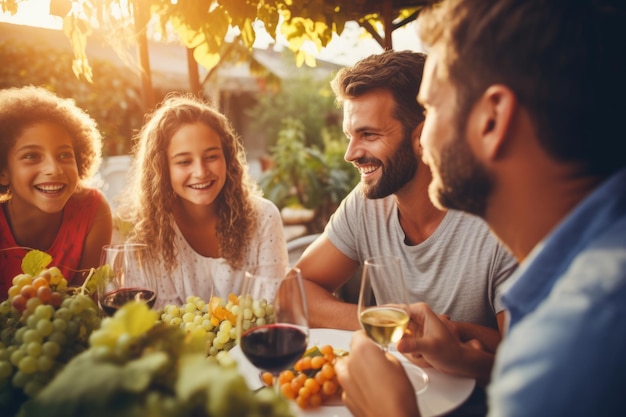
(442, 394)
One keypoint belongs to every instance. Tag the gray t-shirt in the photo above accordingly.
(459, 270)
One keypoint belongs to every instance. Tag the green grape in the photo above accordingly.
(45, 327)
(5, 307)
(50, 348)
(32, 335)
(206, 324)
(27, 365)
(59, 325)
(32, 304)
(22, 280)
(44, 311)
(34, 349)
(20, 379)
(235, 309)
(6, 369)
(200, 304)
(259, 312)
(45, 363)
(19, 334)
(31, 321)
(63, 313)
(225, 326)
(58, 337)
(72, 328)
(17, 356)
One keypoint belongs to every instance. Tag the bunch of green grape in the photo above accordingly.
(40, 332)
(216, 320)
(158, 370)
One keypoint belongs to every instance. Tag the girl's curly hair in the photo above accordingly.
(25, 106)
(148, 202)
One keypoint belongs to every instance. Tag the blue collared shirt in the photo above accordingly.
(564, 353)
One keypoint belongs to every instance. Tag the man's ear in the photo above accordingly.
(496, 108)
(415, 137)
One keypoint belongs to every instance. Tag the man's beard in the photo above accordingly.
(399, 170)
(465, 183)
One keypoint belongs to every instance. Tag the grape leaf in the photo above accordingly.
(224, 390)
(35, 261)
(90, 388)
(136, 317)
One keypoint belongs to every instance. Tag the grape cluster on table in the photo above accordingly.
(44, 325)
(50, 334)
(216, 319)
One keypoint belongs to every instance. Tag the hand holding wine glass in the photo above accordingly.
(129, 276)
(277, 341)
(383, 304)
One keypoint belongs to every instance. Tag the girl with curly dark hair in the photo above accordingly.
(49, 148)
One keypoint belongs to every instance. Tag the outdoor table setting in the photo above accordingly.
(438, 393)
(384, 318)
(102, 349)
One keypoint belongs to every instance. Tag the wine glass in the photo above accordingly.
(383, 304)
(128, 275)
(278, 336)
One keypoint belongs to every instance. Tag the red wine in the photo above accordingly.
(113, 300)
(273, 347)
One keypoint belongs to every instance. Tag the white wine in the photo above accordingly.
(384, 324)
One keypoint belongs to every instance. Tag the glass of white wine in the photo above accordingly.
(383, 306)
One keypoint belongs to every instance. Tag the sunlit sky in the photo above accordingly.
(33, 13)
(345, 50)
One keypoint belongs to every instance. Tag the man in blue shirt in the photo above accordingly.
(524, 103)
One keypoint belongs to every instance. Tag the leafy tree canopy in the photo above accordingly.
(203, 25)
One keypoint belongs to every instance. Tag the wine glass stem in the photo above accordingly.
(276, 384)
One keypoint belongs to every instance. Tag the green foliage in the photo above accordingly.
(35, 261)
(301, 97)
(160, 370)
(112, 99)
(304, 176)
(203, 25)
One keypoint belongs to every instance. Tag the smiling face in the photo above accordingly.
(41, 170)
(379, 146)
(196, 163)
(459, 181)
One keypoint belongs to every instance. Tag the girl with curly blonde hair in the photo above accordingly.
(192, 201)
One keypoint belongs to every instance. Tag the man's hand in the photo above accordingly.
(433, 340)
(374, 384)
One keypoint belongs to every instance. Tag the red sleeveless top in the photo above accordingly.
(66, 251)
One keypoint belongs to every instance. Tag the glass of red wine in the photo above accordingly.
(128, 276)
(272, 323)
